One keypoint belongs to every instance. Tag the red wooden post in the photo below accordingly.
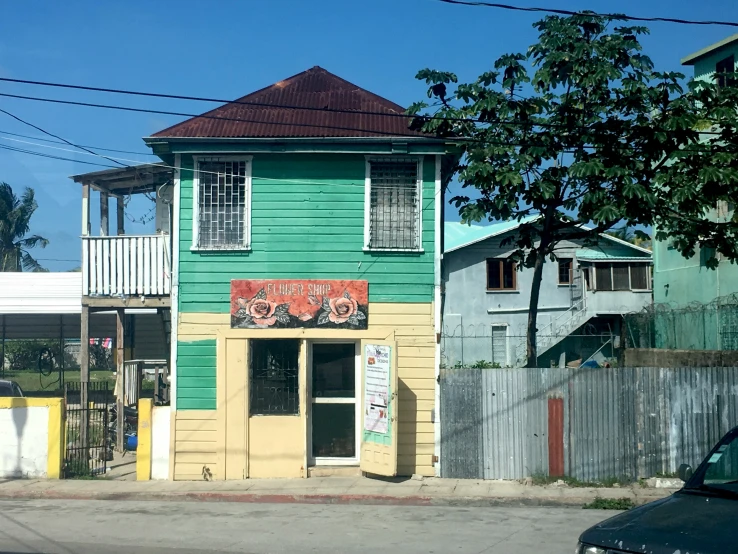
(556, 437)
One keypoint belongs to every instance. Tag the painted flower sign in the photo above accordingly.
(265, 304)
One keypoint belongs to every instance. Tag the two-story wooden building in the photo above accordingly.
(303, 276)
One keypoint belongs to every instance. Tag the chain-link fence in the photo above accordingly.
(698, 326)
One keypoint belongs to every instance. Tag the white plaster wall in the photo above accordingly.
(160, 419)
(24, 442)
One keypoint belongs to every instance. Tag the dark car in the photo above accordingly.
(697, 518)
(10, 388)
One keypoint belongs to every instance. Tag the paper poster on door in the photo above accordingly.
(376, 388)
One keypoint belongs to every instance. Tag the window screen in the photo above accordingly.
(274, 368)
(639, 276)
(395, 207)
(620, 277)
(222, 204)
(603, 277)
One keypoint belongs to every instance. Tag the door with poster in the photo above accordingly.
(379, 407)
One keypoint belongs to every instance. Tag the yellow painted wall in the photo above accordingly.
(195, 445)
(410, 325)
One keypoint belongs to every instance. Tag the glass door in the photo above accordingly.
(333, 402)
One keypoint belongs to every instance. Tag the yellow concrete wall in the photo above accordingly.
(410, 325)
(56, 427)
(143, 450)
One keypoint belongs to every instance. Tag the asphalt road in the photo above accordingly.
(106, 527)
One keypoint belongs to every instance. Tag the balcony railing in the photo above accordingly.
(126, 265)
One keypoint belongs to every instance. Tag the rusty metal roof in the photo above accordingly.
(335, 108)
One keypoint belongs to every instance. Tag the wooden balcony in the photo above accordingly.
(126, 270)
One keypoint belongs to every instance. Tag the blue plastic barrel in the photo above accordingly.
(131, 442)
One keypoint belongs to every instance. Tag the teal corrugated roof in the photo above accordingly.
(611, 253)
(457, 235)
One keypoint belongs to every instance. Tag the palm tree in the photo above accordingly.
(15, 219)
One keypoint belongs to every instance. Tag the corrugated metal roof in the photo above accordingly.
(458, 235)
(610, 253)
(692, 58)
(316, 89)
(40, 293)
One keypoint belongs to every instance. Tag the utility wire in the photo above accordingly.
(58, 137)
(86, 145)
(215, 100)
(593, 14)
(289, 124)
(41, 154)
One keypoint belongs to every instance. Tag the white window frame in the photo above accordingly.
(196, 161)
(368, 201)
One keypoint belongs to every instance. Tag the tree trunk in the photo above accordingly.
(535, 290)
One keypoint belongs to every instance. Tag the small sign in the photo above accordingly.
(279, 304)
(377, 387)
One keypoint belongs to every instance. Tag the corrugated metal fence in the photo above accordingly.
(596, 424)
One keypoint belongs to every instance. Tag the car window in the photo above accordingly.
(17, 389)
(6, 389)
(722, 465)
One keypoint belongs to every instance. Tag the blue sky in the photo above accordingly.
(229, 48)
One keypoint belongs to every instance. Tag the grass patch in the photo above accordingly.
(542, 479)
(610, 504)
(33, 381)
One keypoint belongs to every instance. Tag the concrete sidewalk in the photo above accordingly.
(330, 490)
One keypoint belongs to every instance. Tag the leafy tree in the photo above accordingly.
(581, 130)
(628, 235)
(15, 219)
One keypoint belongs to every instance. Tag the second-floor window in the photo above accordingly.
(222, 204)
(622, 276)
(501, 275)
(393, 214)
(723, 72)
(565, 271)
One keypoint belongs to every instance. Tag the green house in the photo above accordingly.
(680, 282)
(306, 230)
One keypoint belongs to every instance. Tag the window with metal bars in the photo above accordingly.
(222, 202)
(394, 210)
(273, 385)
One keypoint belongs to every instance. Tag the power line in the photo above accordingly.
(206, 116)
(41, 154)
(593, 14)
(532, 123)
(88, 146)
(216, 100)
(58, 137)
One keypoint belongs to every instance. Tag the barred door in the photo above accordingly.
(87, 444)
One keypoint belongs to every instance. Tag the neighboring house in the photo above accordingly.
(305, 270)
(583, 297)
(677, 280)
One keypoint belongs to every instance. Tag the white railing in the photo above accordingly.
(126, 266)
(557, 329)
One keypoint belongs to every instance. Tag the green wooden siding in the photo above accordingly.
(307, 217)
(196, 375)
